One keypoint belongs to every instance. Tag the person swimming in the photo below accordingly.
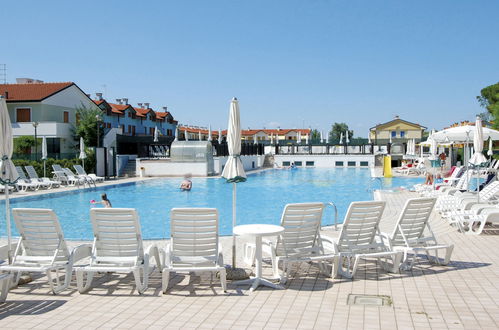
(186, 185)
(106, 202)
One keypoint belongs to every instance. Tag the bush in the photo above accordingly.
(38, 165)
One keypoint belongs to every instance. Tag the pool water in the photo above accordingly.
(260, 199)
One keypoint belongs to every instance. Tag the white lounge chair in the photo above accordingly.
(117, 247)
(59, 174)
(73, 179)
(5, 278)
(34, 177)
(42, 248)
(360, 239)
(24, 184)
(194, 244)
(81, 171)
(459, 202)
(301, 240)
(409, 235)
(22, 176)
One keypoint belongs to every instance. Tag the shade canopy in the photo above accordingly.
(464, 134)
(233, 169)
(478, 159)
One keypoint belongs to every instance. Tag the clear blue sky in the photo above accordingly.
(290, 63)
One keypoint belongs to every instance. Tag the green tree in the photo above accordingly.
(489, 97)
(337, 129)
(86, 125)
(315, 135)
(23, 144)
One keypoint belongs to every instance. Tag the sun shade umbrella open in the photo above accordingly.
(8, 175)
(234, 170)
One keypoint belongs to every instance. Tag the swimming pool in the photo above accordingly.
(261, 199)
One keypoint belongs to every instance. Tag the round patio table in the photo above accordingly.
(258, 231)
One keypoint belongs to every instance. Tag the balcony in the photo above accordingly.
(48, 129)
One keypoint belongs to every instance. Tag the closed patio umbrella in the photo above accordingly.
(7, 169)
(83, 155)
(44, 154)
(220, 136)
(478, 159)
(186, 135)
(176, 134)
(341, 138)
(156, 134)
(490, 152)
(200, 137)
(209, 133)
(234, 170)
(298, 139)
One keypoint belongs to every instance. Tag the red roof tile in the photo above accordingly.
(32, 92)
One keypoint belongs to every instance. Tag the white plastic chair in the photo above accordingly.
(34, 176)
(409, 235)
(360, 239)
(117, 248)
(92, 177)
(301, 240)
(194, 244)
(42, 248)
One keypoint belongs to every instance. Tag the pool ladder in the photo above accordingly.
(335, 214)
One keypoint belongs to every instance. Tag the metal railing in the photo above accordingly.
(335, 214)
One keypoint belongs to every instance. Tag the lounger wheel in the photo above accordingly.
(82, 284)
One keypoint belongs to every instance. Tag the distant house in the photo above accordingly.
(396, 131)
(51, 105)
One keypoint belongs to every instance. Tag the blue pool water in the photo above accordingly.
(261, 199)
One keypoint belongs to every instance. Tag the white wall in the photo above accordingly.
(71, 97)
(249, 162)
(325, 160)
(165, 167)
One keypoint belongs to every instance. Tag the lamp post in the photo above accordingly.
(98, 124)
(35, 125)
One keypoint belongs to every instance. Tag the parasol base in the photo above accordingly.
(25, 278)
(237, 274)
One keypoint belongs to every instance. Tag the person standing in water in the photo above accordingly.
(186, 185)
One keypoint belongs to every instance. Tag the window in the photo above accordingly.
(299, 163)
(351, 164)
(308, 163)
(133, 130)
(108, 125)
(364, 163)
(394, 134)
(23, 115)
(151, 130)
(130, 129)
(252, 164)
(338, 163)
(129, 114)
(66, 116)
(286, 163)
(402, 134)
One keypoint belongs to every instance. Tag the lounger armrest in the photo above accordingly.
(220, 260)
(81, 252)
(153, 251)
(166, 256)
(329, 243)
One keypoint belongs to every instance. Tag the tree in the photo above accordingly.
(23, 144)
(489, 99)
(337, 129)
(86, 124)
(315, 135)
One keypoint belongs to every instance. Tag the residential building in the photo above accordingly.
(51, 106)
(396, 131)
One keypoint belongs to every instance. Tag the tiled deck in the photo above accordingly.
(464, 294)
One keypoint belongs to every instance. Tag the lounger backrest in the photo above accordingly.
(31, 172)
(490, 190)
(360, 226)
(79, 169)
(194, 233)
(412, 221)
(301, 224)
(41, 233)
(57, 168)
(117, 235)
(20, 172)
(463, 182)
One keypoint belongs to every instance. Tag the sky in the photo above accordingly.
(291, 63)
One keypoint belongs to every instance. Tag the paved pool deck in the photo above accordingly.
(462, 295)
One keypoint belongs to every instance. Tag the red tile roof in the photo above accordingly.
(32, 92)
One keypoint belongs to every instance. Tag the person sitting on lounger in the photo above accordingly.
(429, 179)
(186, 185)
(106, 202)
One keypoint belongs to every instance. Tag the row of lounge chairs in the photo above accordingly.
(195, 245)
(469, 211)
(62, 176)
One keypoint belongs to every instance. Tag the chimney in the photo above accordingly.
(140, 105)
(125, 101)
(89, 95)
(396, 117)
(118, 101)
(98, 96)
(146, 105)
(165, 109)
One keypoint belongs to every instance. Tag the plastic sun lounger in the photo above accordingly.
(34, 176)
(117, 248)
(360, 238)
(409, 236)
(42, 248)
(59, 174)
(194, 244)
(475, 224)
(81, 171)
(300, 242)
(23, 183)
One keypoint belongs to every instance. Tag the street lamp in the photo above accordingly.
(35, 125)
(98, 124)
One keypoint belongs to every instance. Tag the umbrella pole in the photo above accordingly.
(7, 218)
(44, 171)
(234, 193)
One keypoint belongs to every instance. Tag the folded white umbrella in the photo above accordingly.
(306, 139)
(209, 133)
(220, 136)
(298, 140)
(234, 170)
(490, 152)
(8, 174)
(156, 134)
(186, 135)
(347, 140)
(341, 138)
(200, 138)
(176, 134)
(83, 155)
(44, 154)
(478, 159)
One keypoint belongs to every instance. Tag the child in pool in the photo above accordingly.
(106, 202)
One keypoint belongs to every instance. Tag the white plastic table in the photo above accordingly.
(258, 231)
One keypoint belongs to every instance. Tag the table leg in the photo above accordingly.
(258, 256)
